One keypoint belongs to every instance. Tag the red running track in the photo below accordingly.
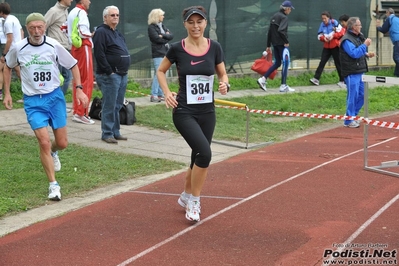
(291, 203)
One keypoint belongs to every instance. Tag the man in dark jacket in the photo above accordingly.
(353, 54)
(113, 61)
(278, 37)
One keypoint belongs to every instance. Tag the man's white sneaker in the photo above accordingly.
(56, 160)
(54, 192)
(353, 124)
(193, 210)
(286, 88)
(341, 85)
(315, 81)
(262, 83)
(182, 201)
(82, 119)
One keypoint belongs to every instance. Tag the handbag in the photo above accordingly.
(127, 114)
(262, 65)
(95, 108)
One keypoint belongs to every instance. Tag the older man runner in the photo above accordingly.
(44, 103)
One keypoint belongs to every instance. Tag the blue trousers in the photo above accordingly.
(355, 95)
(113, 88)
(155, 88)
(278, 57)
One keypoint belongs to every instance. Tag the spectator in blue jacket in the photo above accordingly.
(353, 55)
(391, 25)
(113, 61)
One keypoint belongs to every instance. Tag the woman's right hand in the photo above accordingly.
(170, 99)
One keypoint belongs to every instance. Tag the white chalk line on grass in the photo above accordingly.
(188, 229)
(362, 228)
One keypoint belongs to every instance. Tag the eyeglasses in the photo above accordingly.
(114, 15)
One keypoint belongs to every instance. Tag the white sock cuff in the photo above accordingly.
(193, 198)
(186, 195)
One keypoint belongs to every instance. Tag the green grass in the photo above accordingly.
(231, 124)
(23, 184)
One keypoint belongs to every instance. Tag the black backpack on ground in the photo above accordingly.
(127, 114)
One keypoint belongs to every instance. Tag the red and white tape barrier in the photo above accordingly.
(319, 116)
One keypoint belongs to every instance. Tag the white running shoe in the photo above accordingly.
(286, 88)
(54, 192)
(56, 160)
(341, 85)
(315, 81)
(262, 83)
(193, 210)
(353, 124)
(82, 119)
(182, 201)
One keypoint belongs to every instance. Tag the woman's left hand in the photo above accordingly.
(223, 88)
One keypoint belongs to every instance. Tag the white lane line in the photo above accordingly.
(362, 228)
(177, 195)
(188, 229)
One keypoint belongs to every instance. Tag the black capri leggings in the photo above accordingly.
(197, 130)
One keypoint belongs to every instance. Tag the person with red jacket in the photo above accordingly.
(85, 59)
(330, 32)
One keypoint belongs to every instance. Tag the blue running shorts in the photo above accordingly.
(43, 110)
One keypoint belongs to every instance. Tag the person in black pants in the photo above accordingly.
(329, 33)
(197, 59)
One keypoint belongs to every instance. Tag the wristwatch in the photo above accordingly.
(228, 86)
(79, 87)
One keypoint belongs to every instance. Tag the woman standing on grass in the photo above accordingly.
(159, 36)
(197, 59)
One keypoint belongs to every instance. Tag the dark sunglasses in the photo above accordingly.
(114, 15)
